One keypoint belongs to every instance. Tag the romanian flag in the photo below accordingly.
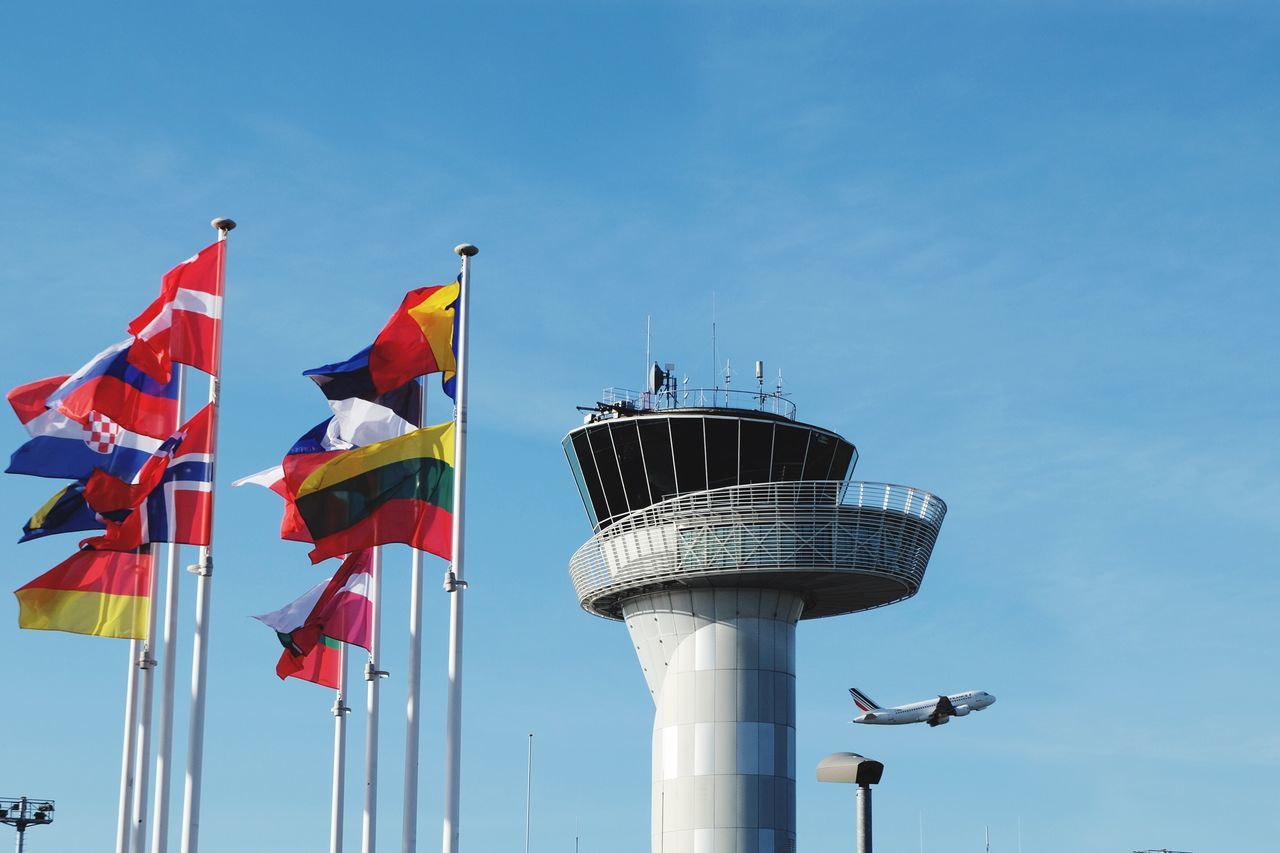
(400, 490)
(417, 340)
(100, 593)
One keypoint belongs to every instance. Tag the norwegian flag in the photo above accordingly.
(182, 324)
(171, 498)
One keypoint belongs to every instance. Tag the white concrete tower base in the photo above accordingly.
(720, 664)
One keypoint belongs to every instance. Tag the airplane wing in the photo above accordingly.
(941, 711)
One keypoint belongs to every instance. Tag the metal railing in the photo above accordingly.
(801, 532)
(701, 398)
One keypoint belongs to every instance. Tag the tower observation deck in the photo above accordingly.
(719, 521)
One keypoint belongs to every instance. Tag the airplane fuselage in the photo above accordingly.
(927, 711)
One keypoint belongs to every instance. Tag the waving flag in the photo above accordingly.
(335, 610)
(399, 490)
(65, 512)
(418, 339)
(172, 498)
(100, 593)
(449, 379)
(355, 423)
(353, 380)
(109, 392)
(62, 448)
(182, 324)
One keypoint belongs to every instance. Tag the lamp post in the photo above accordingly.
(852, 769)
(24, 812)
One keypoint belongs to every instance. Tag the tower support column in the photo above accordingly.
(720, 664)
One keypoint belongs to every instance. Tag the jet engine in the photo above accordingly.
(961, 710)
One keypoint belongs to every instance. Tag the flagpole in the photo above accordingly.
(204, 583)
(413, 723)
(372, 675)
(453, 582)
(340, 711)
(168, 660)
(146, 666)
(126, 759)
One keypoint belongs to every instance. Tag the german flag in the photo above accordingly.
(100, 593)
(400, 490)
(417, 340)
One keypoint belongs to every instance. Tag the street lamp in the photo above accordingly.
(852, 769)
(24, 812)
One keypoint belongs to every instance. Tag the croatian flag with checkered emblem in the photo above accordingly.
(103, 433)
(182, 324)
(171, 498)
(66, 449)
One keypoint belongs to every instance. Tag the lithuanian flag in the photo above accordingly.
(400, 490)
(100, 593)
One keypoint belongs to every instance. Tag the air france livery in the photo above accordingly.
(935, 712)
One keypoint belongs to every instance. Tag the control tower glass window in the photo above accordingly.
(584, 470)
(790, 446)
(690, 454)
(817, 463)
(606, 460)
(627, 463)
(722, 452)
(754, 450)
(635, 480)
(842, 464)
(655, 441)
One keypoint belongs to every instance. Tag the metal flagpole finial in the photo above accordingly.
(465, 250)
(223, 224)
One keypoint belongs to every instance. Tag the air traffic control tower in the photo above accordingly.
(719, 521)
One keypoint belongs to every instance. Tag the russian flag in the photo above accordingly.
(182, 324)
(61, 448)
(173, 498)
(112, 387)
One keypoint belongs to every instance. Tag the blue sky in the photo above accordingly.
(1022, 254)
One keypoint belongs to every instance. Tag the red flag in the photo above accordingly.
(336, 610)
(418, 339)
(319, 666)
(182, 324)
(172, 500)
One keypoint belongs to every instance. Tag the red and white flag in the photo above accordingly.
(182, 324)
(335, 610)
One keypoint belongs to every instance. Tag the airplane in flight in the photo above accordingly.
(935, 712)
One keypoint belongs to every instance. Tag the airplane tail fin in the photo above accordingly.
(860, 699)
